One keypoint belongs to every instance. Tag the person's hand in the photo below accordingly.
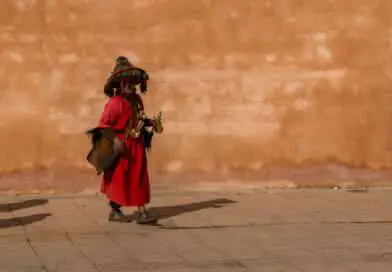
(119, 145)
(149, 129)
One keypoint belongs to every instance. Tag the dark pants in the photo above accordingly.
(114, 205)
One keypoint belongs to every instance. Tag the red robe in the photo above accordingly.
(128, 183)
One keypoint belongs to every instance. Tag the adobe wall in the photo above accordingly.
(243, 85)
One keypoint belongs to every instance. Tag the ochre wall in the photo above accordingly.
(242, 84)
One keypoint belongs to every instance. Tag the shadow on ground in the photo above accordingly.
(9, 207)
(277, 224)
(22, 220)
(172, 211)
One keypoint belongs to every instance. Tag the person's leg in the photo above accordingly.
(116, 213)
(115, 207)
(141, 209)
(139, 189)
(144, 216)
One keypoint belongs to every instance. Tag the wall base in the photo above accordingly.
(76, 181)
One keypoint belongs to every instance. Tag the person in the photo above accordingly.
(127, 182)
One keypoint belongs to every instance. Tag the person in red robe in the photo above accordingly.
(126, 183)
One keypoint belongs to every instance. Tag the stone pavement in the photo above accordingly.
(276, 230)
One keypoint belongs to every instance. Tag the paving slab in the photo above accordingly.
(266, 230)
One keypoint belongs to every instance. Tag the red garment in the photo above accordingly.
(128, 183)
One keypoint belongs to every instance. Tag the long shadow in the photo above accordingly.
(22, 221)
(171, 211)
(263, 225)
(9, 207)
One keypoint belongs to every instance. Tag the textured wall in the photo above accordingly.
(242, 84)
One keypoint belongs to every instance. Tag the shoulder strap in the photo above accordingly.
(135, 122)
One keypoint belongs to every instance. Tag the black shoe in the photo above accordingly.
(146, 219)
(118, 216)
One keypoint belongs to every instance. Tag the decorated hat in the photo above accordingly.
(124, 71)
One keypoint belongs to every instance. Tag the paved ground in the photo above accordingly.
(307, 230)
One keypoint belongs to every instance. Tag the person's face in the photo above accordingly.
(127, 88)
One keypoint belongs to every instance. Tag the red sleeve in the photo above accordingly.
(111, 113)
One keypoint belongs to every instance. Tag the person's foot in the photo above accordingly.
(118, 216)
(146, 219)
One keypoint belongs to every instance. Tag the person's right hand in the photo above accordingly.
(119, 145)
